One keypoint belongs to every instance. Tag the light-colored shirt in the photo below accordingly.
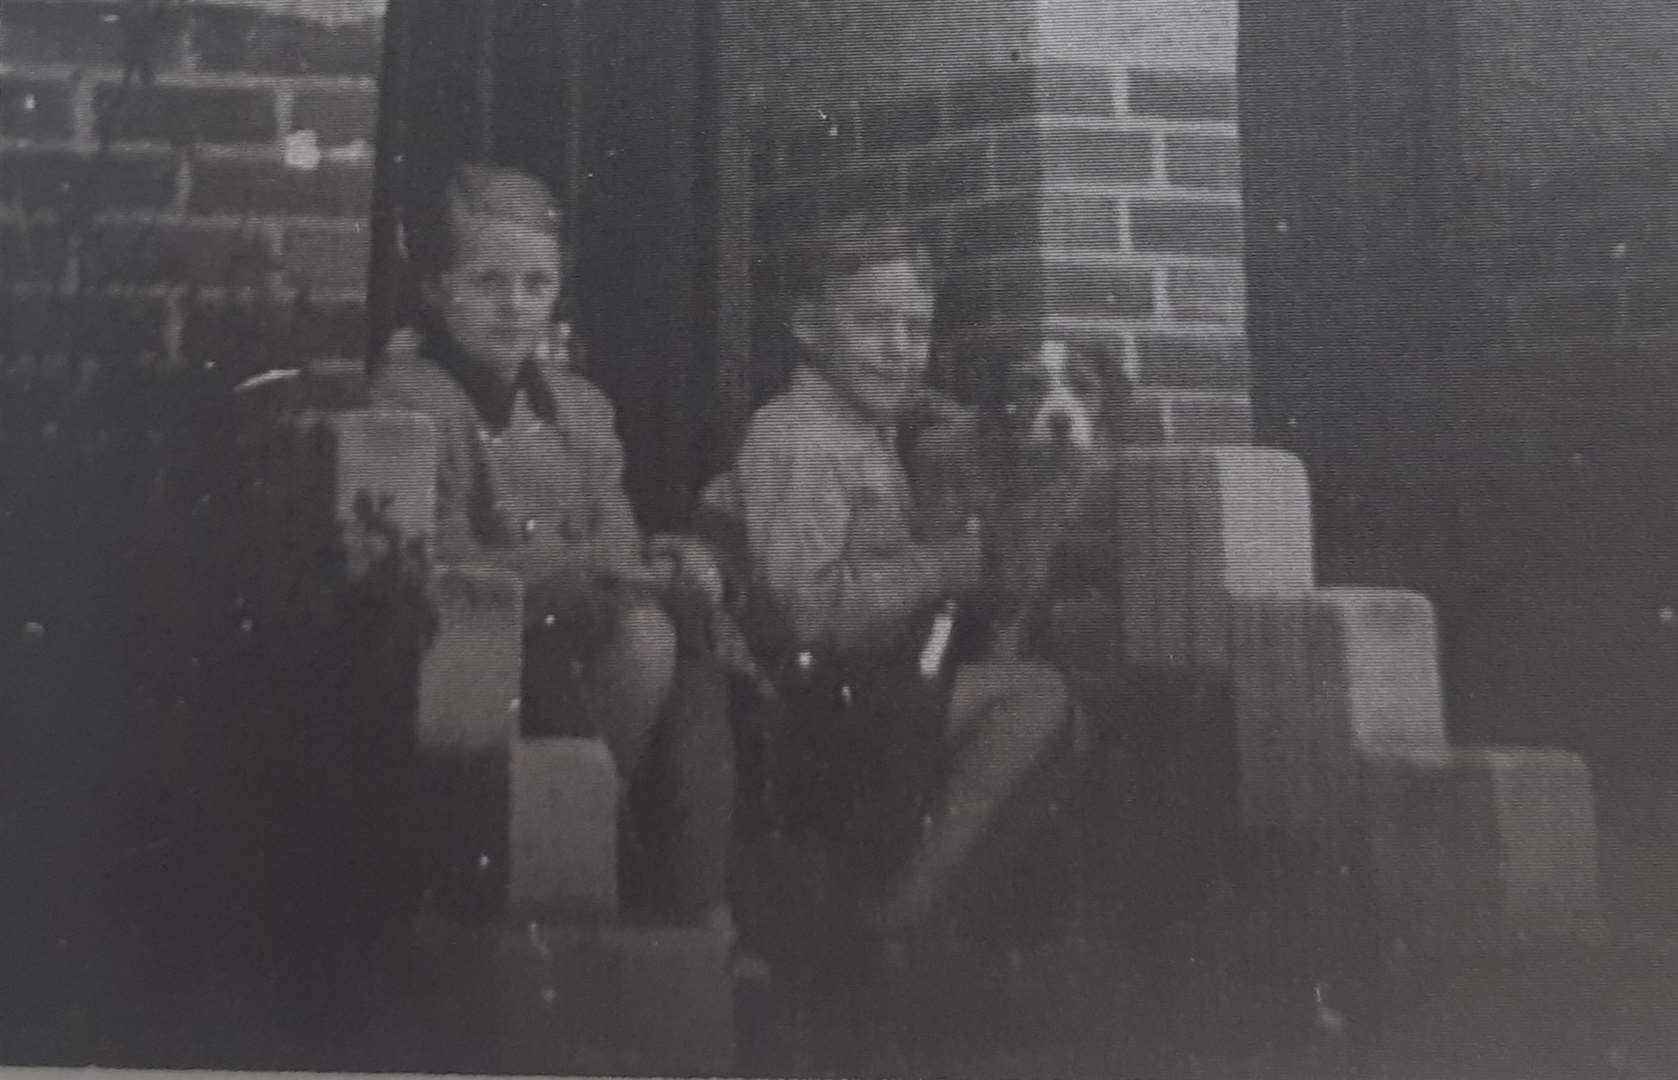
(537, 497)
(826, 505)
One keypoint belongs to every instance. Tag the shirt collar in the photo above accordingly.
(809, 381)
(491, 396)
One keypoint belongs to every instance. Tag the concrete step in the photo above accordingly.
(563, 829)
(1476, 847)
(1195, 525)
(554, 998)
(1323, 678)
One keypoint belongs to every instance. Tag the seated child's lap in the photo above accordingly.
(980, 687)
(572, 664)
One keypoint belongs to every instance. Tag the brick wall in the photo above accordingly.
(1076, 163)
(185, 184)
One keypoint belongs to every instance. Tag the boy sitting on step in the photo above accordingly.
(827, 511)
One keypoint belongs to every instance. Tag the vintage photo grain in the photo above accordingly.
(974, 538)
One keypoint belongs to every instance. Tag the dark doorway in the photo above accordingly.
(1357, 302)
(613, 103)
(1351, 180)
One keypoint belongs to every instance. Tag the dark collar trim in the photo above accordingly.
(492, 396)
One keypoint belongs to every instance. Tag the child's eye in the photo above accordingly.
(537, 282)
(492, 279)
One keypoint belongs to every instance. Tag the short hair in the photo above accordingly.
(480, 191)
(837, 249)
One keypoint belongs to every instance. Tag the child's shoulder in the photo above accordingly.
(406, 378)
(793, 418)
(579, 399)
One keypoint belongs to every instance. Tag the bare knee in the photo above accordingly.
(1037, 710)
(642, 652)
(700, 729)
(1051, 709)
(647, 633)
(631, 679)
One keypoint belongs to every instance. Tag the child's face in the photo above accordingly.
(871, 333)
(498, 299)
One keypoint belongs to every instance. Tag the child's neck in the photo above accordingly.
(491, 392)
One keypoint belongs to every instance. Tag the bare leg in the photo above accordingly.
(628, 682)
(697, 746)
(665, 718)
(1004, 720)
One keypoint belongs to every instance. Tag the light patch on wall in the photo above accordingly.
(1546, 86)
(809, 48)
(1160, 33)
(327, 11)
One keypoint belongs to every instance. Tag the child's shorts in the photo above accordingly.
(553, 694)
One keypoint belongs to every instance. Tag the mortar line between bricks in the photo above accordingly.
(275, 231)
(1124, 192)
(191, 80)
(1036, 123)
(1091, 259)
(1186, 393)
(1152, 190)
(84, 118)
(85, 147)
(269, 153)
(186, 178)
(280, 296)
(346, 226)
(1198, 196)
(1226, 333)
(1126, 330)
(189, 58)
(1189, 69)
(183, 186)
(255, 153)
(989, 133)
(285, 104)
(77, 145)
(1160, 284)
(173, 331)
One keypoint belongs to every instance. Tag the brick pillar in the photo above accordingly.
(1076, 162)
(226, 224)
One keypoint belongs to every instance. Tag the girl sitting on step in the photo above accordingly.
(529, 479)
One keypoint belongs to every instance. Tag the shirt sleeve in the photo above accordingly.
(620, 544)
(454, 541)
(809, 546)
(617, 541)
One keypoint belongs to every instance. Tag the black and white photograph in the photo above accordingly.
(840, 538)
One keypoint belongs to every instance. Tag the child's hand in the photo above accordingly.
(554, 347)
(936, 408)
(656, 573)
(961, 561)
(569, 598)
(694, 563)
